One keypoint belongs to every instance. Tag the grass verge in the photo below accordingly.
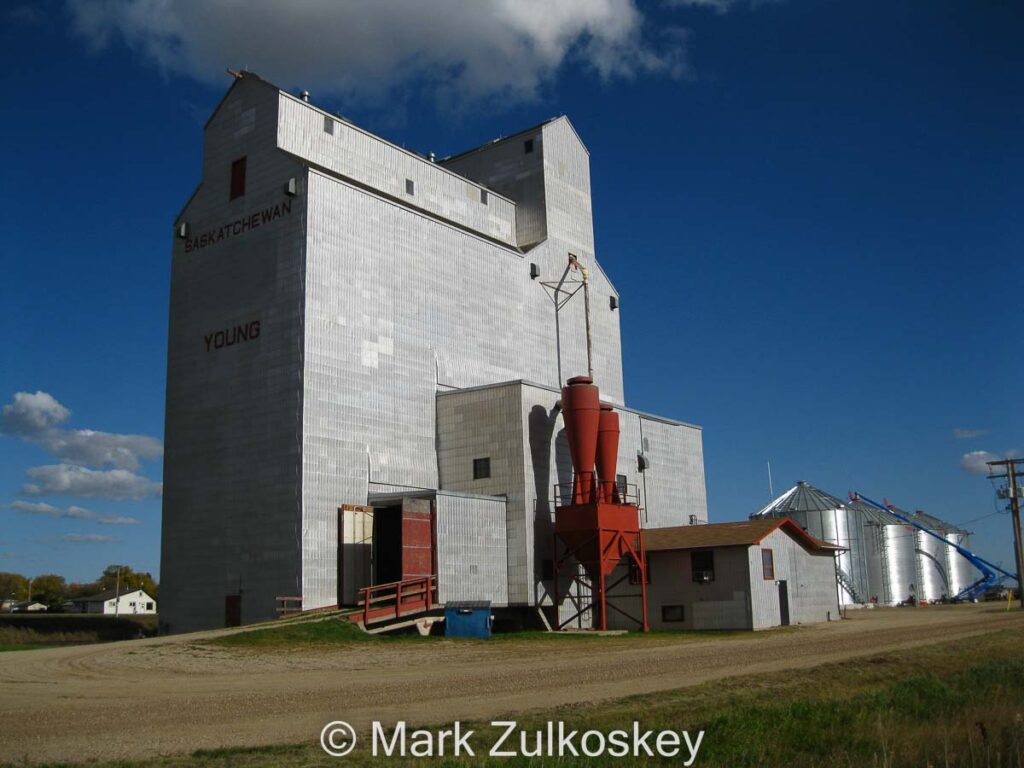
(956, 705)
(328, 632)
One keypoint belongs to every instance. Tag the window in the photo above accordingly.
(702, 563)
(410, 187)
(238, 178)
(622, 483)
(483, 196)
(149, 606)
(528, 146)
(328, 124)
(481, 468)
(634, 573)
(673, 613)
(768, 564)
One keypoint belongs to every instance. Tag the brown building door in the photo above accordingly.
(232, 610)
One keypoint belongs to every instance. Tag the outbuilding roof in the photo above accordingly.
(110, 594)
(742, 534)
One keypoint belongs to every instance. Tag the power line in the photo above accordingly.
(1012, 491)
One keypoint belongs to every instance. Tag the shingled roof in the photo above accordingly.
(742, 534)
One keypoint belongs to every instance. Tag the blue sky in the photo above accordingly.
(812, 211)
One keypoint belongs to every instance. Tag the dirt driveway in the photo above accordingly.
(168, 695)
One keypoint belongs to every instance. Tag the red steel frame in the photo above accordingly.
(602, 549)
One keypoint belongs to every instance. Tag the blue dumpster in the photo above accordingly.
(468, 618)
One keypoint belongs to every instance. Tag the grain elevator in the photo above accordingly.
(366, 356)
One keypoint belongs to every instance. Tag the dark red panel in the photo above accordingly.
(238, 178)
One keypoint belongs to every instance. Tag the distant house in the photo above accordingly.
(128, 602)
(754, 574)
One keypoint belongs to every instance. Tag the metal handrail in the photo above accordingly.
(629, 493)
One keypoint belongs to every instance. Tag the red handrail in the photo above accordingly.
(397, 598)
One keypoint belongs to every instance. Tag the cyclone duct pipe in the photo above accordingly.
(608, 454)
(581, 412)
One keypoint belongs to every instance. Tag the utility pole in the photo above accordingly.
(1013, 490)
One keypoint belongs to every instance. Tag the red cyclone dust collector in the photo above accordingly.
(599, 528)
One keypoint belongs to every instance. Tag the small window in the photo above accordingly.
(410, 187)
(481, 468)
(528, 146)
(622, 483)
(328, 124)
(702, 564)
(238, 178)
(149, 606)
(483, 196)
(634, 573)
(768, 564)
(673, 613)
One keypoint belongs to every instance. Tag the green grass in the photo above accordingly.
(332, 631)
(326, 632)
(949, 705)
(4, 647)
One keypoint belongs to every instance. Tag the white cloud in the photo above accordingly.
(968, 434)
(72, 513)
(100, 449)
(71, 480)
(718, 6)
(975, 462)
(32, 414)
(85, 538)
(463, 51)
(36, 418)
(36, 508)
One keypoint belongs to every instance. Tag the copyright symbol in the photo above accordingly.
(338, 738)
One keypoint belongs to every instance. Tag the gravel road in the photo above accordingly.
(171, 695)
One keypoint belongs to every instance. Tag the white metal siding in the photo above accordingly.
(471, 549)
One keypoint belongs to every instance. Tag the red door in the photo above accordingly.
(417, 539)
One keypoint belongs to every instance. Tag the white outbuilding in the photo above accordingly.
(126, 602)
(754, 574)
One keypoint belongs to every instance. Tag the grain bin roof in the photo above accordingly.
(872, 514)
(741, 534)
(929, 521)
(800, 498)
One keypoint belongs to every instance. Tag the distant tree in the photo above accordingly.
(50, 589)
(78, 590)
(13, 586)
(129, 579)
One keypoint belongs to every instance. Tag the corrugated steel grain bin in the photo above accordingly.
(469, 618)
